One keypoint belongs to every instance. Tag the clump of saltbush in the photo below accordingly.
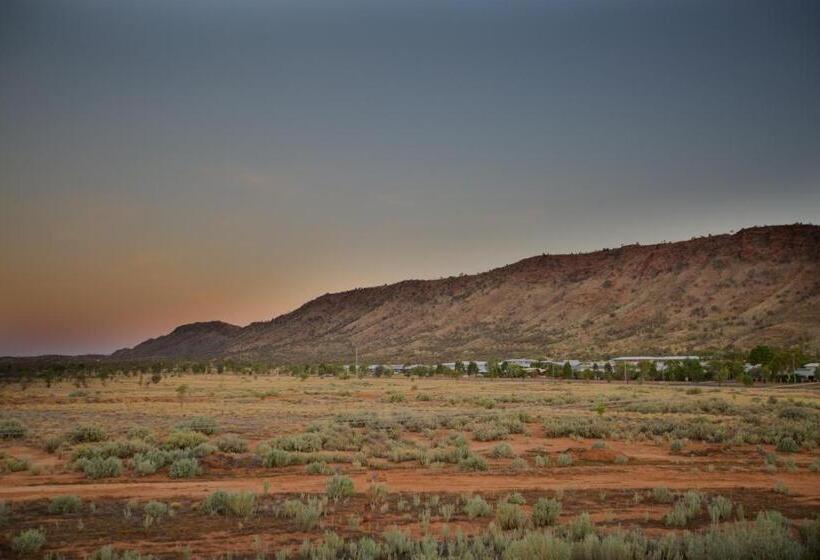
(510, 516)
(184, 438)
(338, 487)
(502, 450)
(787, 445)
(472, 463)
(28, 541)
(202, 424)
(87, 433)
(232, 444)
(545, 512)
(11, 428)
(185, 467)
(477, 507)
(65, 504)
(98, 467)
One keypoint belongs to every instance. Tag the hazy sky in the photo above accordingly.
(163, 162)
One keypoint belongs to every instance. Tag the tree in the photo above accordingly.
(182, 390)
(761, 355)
(472, 368)
(459, 367)
(567, 370)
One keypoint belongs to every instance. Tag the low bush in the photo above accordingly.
(29, 541)
(306, 515)
(502, 450)
(338, 487)
(184, 468)
(580, 527)
(202, 424)
(15, 464)
(787, 445)
(277, 458)
(184, 439)
(87, 433)
(510, 516)
(472, 463)
(97, 467)
(317, 467)
(720, 508)
(232, 444)
(156, 510)
(662, 495)
(545, 512)
(515, 498)
(65, 504)
(11, 428)
(476, 506)
(564, 459)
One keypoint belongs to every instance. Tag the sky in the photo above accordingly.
(166, 161)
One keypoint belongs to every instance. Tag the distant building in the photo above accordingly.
(806, 373)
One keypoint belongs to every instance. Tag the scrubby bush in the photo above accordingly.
(519, 464)
(537, 545)
(564, 459)
(510, 516)
(65, 504)
(580, 527)
(184, 468)
(662, 495)
(306, 515)
(97, 467)
(477, 507)
(502, 450)
(473, 463)
(277, 458)
(621, 460)
(678, 516)
(677, 446)
(11, 428)
(339, 486)
(15, 464)
(184, 439)
(28, 541)
(787, 445)
(232, 444)
(87, 433)
(53, 443)
(720, 508)
(515, 498)
(202, 424)
(156, 510)
(545, 512)
(317, 467)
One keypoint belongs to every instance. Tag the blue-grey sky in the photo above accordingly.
(167, 161)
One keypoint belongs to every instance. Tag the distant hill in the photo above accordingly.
(758, 285)
(195, 340)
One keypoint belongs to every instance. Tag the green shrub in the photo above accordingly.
(510, 516)
(144, 466)
(65, 504)
(97, 467)
(28, 541)
(11, 428)
(580, 527)
(53, 443)
(277, 458)
(621, 459)
(677, 446)
(216, 503)
(515, 498)
(720, 508)
(662, 495)
(787, 445)
(502, 450)
(545, 512)
(306, 515)
(477, 507)
(184, 439)
(540, 546)
(339, 486)
(156, 510)
(14, 464)
(678, 516)
(781, 488)
(87, 433)
(140, 432)
(473, 463)
(184, 468)
(202, 424)
(241, 504)
(519, 464)
(564, 459)
(317, 467)
(232, 444)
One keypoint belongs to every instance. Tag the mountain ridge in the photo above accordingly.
(759, 284)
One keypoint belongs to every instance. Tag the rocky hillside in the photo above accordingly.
(759, 285)
(195, 340)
